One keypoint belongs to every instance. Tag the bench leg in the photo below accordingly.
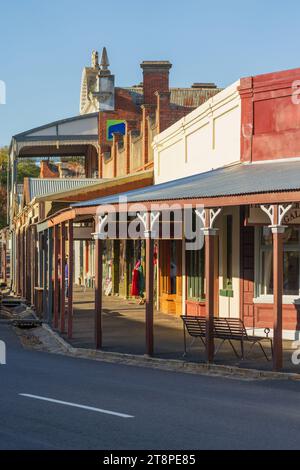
(231, 344)
(250, 350)
(234, 350)
(263, 350)
(193, 340)
(219, 347)
(258, 342)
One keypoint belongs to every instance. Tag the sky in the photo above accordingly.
(44, 46)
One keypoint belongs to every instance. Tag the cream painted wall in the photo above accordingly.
(207, 138)
(229, 306)
(108, 169)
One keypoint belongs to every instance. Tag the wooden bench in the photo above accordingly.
(225, 329)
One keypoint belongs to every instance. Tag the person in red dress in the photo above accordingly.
(137, 286)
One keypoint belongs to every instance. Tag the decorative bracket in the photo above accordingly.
(143, 219)
(269, 210)
(213, 214)
(282, 211)
(100, 234)
(148, 231)
(201, 215)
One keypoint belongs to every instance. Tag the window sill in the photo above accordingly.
(269, 299)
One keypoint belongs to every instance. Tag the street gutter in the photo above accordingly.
(63, 347)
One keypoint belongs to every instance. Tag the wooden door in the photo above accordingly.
(170, 276)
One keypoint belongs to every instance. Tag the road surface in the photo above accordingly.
(51, 401)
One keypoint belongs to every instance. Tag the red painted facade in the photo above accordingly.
(270, 116)
(270, 130)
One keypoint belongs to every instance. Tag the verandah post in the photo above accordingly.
(276, 213)
(50, 270)
(209, 298)
(149, 288)
(277, 233)
(98, 293)
(56, 280)
(208, 216)
(278, 291)
(62, 276)
(70, 278)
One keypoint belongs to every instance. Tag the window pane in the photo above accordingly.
(173, 267)
(291, 273)
(195, 274)
(266, 236)
(228, 282)
(291, 262)
(267, 273)
(291, 236)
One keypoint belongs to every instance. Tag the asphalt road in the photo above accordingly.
(166, 410)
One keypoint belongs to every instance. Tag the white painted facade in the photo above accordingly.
(207, 138)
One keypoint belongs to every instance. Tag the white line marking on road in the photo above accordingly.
(76, 405)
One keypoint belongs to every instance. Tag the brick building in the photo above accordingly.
(130, 117)
(113, 136)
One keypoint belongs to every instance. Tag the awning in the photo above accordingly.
(68, 136)
(240, 179)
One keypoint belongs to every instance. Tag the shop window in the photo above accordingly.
(228, 277)
(195, 274)
(291, 262)
(173, 267)
(170, 266)
(227, 257)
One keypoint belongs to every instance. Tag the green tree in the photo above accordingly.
(3, 206)
(3, 181)
(3, 166)
(26, 167)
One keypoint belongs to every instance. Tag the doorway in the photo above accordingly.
(170, 276)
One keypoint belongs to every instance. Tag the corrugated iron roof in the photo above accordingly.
(190, 97)
(187, 97)
(42, 186)
(239, 179)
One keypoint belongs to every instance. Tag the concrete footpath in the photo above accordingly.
(45, 339)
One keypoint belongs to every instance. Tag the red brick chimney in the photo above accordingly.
(155, 78)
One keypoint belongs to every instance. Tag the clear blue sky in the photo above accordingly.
(45, 44)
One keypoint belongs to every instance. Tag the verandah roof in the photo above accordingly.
(39, 187)
(239, 179)
(240, 184)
